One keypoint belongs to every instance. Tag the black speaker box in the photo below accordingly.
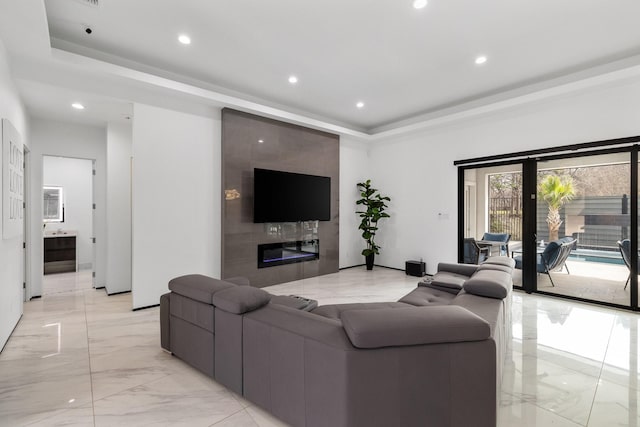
(415, 268)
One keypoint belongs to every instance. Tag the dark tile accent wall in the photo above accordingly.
(284, 147)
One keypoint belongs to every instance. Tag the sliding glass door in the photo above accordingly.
(492, 214)
(571, 221)
(583, 222)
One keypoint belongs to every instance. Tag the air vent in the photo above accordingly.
(93, 3)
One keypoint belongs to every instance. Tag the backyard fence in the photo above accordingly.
(597, 222)
(505, 216)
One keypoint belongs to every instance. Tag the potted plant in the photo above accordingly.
(374, 206)
(555, 191)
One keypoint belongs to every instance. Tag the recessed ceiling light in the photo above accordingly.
(419, 4)
(481, 60)
(184, 39)
(360, 104)
(293, 80)
(77, 106)
(260, 141)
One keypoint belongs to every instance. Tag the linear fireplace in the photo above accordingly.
(272, 254)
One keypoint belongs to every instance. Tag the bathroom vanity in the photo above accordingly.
(60, 252)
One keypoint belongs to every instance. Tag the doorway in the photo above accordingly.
(492, 211)
(26, 221)
(577, 216)
(68, 224)
(585, 202)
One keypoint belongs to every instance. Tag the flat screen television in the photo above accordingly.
(290, 197)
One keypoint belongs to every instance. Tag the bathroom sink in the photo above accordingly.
(60, 233)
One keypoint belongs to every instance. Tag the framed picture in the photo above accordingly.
(12, 181)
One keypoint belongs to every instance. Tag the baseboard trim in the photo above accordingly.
(375, 265)
(390, 268)
(353, 266)
(12, 331)
(144, 308)
(118, 293)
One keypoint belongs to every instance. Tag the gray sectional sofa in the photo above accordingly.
(431, 359)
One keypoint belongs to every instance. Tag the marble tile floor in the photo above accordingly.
(65, 282)
(82, 358)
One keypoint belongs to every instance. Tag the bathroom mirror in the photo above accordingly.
(53, 204)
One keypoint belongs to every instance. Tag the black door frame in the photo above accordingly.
(529, 225)
(529, 165)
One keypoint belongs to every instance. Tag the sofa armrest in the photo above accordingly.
(463, 269)
(413, 326)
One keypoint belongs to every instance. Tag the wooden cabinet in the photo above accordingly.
(59, 254)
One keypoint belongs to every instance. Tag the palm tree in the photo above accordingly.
(555, 191)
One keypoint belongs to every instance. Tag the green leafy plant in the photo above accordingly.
(374, 206)
(556, 191)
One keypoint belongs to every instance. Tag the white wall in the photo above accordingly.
(176, 199)
(67, 140)
(74, 176)
(118, 208)
(354, 168)
(417, 170)
(11, 266)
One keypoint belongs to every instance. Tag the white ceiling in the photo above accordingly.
(404, 64)
(52, 103)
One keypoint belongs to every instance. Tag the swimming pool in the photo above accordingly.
(590, 255)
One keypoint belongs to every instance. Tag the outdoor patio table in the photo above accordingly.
(539, 250)
(491, 244)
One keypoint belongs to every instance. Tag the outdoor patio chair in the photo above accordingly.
(473, 253)
(499, 237)
(553, 257)
(625, 251)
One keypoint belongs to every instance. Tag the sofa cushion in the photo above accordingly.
(498, 267)
(427, 295)
(451, 291)
(388, 327)
(449, 280)
(198, 287)
(334, 311)
(489, 283)
(240, 299)
(501, 260)
(460, 269)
